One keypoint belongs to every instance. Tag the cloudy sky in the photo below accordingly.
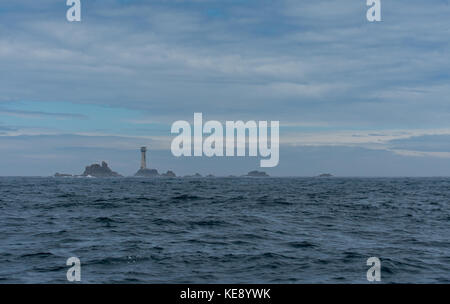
(353, 98)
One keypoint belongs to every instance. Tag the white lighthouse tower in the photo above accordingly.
(143, 171)
(143, 158)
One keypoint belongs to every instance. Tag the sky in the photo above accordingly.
(353, 98)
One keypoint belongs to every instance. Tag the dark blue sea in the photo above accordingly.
(225, 230)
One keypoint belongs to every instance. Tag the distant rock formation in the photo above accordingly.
(195, 175)
(147, 173)
(102, 170)
(257, 174)
(63, 175)
(210, 176)
(169, 174)
(325, 175)
(153, 173)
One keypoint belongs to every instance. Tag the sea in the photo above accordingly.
(224, 230)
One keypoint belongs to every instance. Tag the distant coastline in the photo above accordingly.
(103, 170)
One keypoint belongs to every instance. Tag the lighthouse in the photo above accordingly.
(143, 158)
(143, 171)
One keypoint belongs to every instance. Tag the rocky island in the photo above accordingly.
(325, 175)
(102, 170)
(257, 174)
(169, 174)
(144, 172)
(57, 174)
(94, 170)
(196, 175)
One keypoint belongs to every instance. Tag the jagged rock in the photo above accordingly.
(169, 174)
(257, 174)
(147, 173)
(102, 170)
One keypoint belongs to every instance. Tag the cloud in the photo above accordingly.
(181, 57)
(41, 115)
(422, 153)
(329, 76)
(381, 138)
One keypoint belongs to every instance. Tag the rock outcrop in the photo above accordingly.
(257, 174)
(57, 174)
(102, 170)
(196, 175)
(147, 173)
(169, 174)
(326, 175)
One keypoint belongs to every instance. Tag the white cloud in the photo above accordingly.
(379, 139)
(421, 153)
